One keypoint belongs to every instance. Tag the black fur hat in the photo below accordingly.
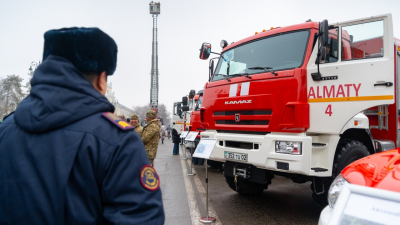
(89, 49)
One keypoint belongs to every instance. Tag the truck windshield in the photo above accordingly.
(279, 52)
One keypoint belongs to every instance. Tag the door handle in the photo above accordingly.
(387, 84)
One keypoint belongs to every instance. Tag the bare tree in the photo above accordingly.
(10, 94)
(162, 111)
(28, 83)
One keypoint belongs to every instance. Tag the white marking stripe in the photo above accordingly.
(233, 90)
(193, 204)
(193, 207)
(245, 89)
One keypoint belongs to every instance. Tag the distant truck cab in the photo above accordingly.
(192, 102)
(302, 101)
(182, 112)
(177, 118)
(195, 115)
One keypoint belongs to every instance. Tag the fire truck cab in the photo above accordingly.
(302, 101)
(191, 104)
(195, 114)
(177, 118)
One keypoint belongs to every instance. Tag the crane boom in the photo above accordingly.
(154, 11)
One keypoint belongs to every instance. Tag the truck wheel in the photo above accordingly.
(347, 152)
(245, 187)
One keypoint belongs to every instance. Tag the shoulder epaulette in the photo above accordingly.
(119, 122)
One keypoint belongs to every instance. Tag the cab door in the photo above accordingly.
(358, 73)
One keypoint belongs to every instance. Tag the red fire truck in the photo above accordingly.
(195, 114)
(302, 101)
(195, 125)
(182, 112)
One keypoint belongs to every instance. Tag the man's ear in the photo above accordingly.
(101, 83)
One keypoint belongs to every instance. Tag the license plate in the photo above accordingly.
(235, 156)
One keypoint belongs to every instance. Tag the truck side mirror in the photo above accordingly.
(323, 32)
(323, 54)
(205, 51)
(185, 108)
(184, 101)
(322, 43)
(179, 109)
(192, 93)
(211, 68)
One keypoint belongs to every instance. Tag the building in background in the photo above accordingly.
(109, 93)
(119, 108)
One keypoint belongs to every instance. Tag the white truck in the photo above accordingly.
(178, 122)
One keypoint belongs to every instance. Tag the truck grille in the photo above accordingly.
(254, 112)
(243, 122)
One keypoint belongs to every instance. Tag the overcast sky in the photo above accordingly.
(182, 27)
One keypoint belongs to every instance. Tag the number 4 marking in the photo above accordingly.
(329, 110)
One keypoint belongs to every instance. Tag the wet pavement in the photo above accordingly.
(284, 202)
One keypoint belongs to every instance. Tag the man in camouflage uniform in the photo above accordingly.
(135, 122)
(150, 135)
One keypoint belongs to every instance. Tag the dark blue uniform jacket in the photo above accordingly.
(62, 162)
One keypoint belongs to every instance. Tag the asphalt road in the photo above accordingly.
(284, 202)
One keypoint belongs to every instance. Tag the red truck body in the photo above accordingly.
(273, 108)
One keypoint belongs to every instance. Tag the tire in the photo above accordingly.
(347, 151)
(245, 187)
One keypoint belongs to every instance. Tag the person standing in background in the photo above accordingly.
(162, 134)
(122, 116)
(150, 135)
(176, 140)
(135, 122)
(169, 131)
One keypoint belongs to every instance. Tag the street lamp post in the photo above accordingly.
(33, 65)
(31, 69)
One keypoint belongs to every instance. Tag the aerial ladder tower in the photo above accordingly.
(154, 11)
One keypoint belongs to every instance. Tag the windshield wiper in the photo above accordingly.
(226, 76)
(266, 68)
(241, 74)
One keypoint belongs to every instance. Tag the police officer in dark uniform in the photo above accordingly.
(65, 158)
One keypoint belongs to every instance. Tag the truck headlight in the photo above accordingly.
(335, 189)
(288, 147)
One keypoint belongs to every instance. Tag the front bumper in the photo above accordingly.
(265, 156)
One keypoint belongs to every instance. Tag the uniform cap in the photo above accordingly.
(88, 49)
(151, 114)
(134, 116)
